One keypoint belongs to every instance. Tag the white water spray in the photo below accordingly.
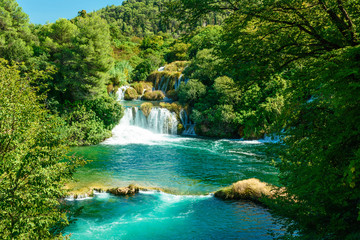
(136, 128)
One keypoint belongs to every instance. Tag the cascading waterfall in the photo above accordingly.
(121, 92)
(186, 122)
(178, 82)
(136, 128)
(160, 120)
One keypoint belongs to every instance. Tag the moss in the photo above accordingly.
(139, 87)
(146, 108)
(177, 66)
(164, 80)
(172, 107)
(131, 94)
(148, 86)
(251, 189)
(153, 96)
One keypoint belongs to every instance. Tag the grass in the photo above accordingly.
(251, 189)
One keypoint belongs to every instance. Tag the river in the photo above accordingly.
(186, 169)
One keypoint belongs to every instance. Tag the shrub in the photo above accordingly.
(173, 94)
(84, 127)
(107, 109)
(191, 92)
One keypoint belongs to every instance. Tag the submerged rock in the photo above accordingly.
(124, 191)
(251, 189)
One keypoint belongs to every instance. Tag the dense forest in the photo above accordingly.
(252, 68)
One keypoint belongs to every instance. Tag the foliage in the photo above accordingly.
(204, 67)
(178, 52)
(313, 48)
(81, 52)
(190, 92)
(15, 36)
(33, 161)
(204, 38)
(120, 74)
(142, 70)
(107, 109)
(138, 17)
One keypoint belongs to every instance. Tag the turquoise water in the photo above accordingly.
(187, 170)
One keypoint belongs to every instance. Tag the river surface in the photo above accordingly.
(187, 170)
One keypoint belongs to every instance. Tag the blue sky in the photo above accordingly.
(41, 11)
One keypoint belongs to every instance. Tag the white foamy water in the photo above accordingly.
(121, 92)
(136, 128)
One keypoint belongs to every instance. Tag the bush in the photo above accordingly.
(84, 127)
(153, 96)
(173, 94)
(143, 70)
(107, 109)
(191, 92)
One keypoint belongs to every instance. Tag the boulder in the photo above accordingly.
(124, 191)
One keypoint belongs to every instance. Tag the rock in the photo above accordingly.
(251, 189)
(153, 96)
(125, 191)
(146, 108)
(130, 94)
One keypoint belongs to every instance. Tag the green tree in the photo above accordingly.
(33, 163)
(81, 52)
(15, 36)
(314, 47)
(190, 92)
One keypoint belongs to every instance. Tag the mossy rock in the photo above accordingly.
(125, 191)
(131, 94)
(251, 189)
(139, 87)
(153, 96)
(172, 107)
(146, 108)
(177, 66)
(164, 80)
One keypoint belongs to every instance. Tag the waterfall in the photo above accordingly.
(186, 122)
(160, 120)
(135, 128)
(121, 92)
(178, 82)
